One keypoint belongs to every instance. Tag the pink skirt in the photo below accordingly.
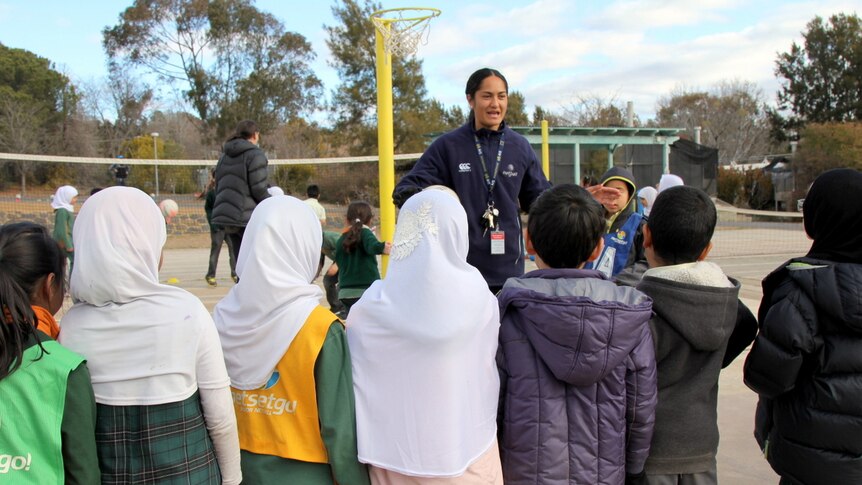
(484, 471)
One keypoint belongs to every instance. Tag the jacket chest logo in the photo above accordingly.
(510, 171)
(464, 167)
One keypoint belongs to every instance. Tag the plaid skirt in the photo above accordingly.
(160, 444)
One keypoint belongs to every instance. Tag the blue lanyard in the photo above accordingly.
(490, 182)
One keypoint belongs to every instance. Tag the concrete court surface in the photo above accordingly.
(739, 459)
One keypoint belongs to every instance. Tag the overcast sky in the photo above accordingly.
(553, 51)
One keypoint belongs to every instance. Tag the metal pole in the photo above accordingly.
(156, 158)
(577, 163)
(385, 144)
(546, 152)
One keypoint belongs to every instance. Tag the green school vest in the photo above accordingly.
(32, 401)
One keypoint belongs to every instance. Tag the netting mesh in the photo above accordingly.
(404, 30)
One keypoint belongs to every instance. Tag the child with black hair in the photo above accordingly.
(47, 409)
(623, 233)
(313, 194)
(695, 307)
(576, 359)
(806, 362)
(356, 254)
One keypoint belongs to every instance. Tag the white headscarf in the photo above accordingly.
(423, 343)
(261, 315)
(63, 198)
(669, 180)
(648, 193)
(143, 340)
(275, 190)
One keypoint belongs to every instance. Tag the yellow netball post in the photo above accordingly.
(399, 32)
(546, 152)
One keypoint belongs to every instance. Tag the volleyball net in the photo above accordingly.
(28, 182)
(740, 232)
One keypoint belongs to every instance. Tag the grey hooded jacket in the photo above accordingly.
(691, 329)
(577, 379)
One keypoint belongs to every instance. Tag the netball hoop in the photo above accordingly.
(404, 29)
(399, 31)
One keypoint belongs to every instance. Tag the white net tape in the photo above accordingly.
(403, 33)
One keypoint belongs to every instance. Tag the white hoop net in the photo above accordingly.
(405, 29)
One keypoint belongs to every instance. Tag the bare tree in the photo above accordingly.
(21, 131)
(595, 110)
(732, 115)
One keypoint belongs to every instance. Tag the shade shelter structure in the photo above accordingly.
(565, 143)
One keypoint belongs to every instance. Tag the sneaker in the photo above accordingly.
(211, 281)
(235, 278)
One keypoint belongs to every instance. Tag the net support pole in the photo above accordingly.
(385, 144)
(546, 152)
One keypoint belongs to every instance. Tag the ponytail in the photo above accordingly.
(358, 215)
(27, 254)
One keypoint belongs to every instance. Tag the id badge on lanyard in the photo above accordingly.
(490, 219)
(498, 242)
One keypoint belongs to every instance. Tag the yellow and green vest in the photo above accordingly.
(280, 418)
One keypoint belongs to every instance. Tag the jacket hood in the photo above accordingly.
(833, 288)
(237, 146)
(619, 173)
(580, 324)
(681, 305)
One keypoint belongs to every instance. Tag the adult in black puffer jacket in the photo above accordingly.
(806, 363)
(240, 182)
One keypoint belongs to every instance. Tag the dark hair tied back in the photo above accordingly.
(477, 77)
(27, 254)
(358, 214)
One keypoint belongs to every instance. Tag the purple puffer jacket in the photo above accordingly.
(577, 379)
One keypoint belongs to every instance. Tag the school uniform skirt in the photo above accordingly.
(165, 443)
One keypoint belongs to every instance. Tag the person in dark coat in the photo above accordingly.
(576, 359)
(495, 173)
(806, 362)
(240, 183)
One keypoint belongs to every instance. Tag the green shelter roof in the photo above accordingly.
(599, 131)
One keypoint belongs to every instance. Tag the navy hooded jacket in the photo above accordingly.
(453, 160)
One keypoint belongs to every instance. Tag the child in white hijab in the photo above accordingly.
(287, 356)
(163, 403)
(647, 197)
(423, 343)
(669, 180)
(63, 204)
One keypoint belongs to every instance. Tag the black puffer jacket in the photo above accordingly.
(240, 183)
(806, 365)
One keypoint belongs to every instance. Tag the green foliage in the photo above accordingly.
(825, 146)
(354, 101)
(293, 179)
(731, 184)
(37, 105)
(259, 71)
(172, 179)
(751, 189)
(822, 79)
(516, 113)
